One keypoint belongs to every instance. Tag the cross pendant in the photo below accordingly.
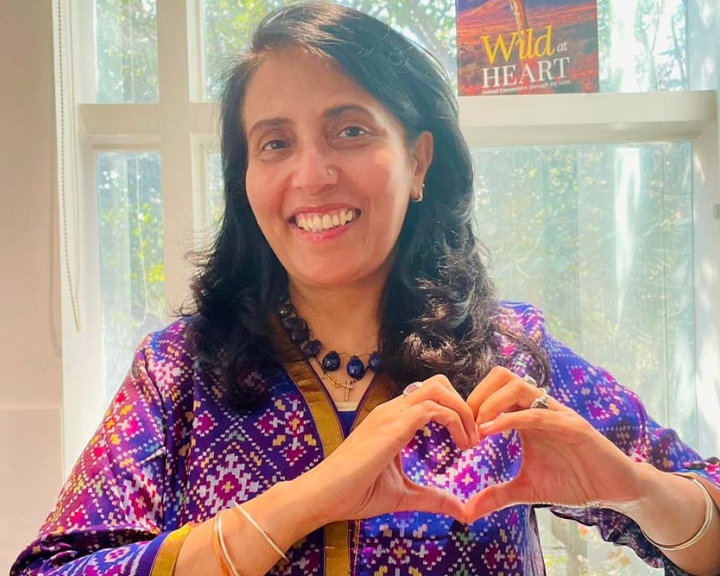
(348, 387)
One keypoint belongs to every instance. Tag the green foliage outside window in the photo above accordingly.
(126, 49)
(132, 276)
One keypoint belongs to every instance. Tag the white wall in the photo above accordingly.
(30, 353)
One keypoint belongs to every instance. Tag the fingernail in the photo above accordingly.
(485, 426)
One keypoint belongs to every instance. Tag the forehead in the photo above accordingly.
(293, 81)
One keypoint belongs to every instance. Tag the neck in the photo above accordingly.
(344, 319)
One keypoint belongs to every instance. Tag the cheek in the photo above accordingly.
(391, 177)
(259, 191)
(389, 198)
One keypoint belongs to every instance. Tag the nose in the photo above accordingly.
(312, 170)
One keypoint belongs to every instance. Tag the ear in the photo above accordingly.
(422, 155)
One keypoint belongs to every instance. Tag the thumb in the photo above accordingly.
(489, 500)
(432, 500)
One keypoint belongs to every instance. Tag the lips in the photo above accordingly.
(320, 222)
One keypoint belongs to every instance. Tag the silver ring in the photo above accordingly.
(530, 380)
(412, 387)
(542, 402)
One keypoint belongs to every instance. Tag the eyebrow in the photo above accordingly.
(331, 113)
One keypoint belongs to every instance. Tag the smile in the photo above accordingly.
(326, 221)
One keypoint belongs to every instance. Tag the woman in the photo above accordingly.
(347, 229)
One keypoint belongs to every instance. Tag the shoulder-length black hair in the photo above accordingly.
(438, 306)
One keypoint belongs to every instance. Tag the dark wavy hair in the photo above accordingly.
(438, 310)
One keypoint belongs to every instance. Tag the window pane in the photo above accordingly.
(126, 51)
(600, 237)
(131, 256)
(642, 45)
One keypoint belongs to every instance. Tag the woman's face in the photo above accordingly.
(329, 172)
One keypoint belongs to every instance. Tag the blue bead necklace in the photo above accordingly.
(301, 335)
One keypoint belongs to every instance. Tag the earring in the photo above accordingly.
(331, 172)
(419, 198)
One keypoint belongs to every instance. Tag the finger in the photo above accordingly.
(432, 500)
(495, 379)
(431, 411)
(559, 422)
(440, 390)
(491, 499)
(515, 395)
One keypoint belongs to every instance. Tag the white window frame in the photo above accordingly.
(183, 129)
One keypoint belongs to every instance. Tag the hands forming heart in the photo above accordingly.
(565, 462)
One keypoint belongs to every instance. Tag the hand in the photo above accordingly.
(565, 461)
(363, 477)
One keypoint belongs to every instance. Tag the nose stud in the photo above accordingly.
(331, 172)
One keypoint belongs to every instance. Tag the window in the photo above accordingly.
(126, 51)
(598, 208)
(132, 277)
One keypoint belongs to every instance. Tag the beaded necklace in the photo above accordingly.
(301, 335)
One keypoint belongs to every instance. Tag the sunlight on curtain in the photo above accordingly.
(600, 238)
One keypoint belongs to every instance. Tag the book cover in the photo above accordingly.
(527, 46)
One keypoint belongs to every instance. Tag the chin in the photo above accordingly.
(338, 270)
(324, 280)
(327, 275)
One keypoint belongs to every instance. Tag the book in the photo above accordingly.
(527, 46)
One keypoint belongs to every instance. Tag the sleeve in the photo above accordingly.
(618, 414)
(108, 518)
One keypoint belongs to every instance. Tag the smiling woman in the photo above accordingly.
(351, 397)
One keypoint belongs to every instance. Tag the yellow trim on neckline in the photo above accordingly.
(337, 534)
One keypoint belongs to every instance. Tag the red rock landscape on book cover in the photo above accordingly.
(527, 46)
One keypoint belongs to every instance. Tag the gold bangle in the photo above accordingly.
(709, 513)
(262, 532)
(217, 547)
(223, 547)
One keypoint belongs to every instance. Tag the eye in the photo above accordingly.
(273, 145)
(352, 132)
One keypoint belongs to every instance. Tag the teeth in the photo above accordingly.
(317, 223)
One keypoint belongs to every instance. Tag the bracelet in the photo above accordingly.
(709, 512)
(217, 547)
(225, 552)
(262, 532)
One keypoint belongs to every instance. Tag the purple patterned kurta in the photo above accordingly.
(168, 452)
